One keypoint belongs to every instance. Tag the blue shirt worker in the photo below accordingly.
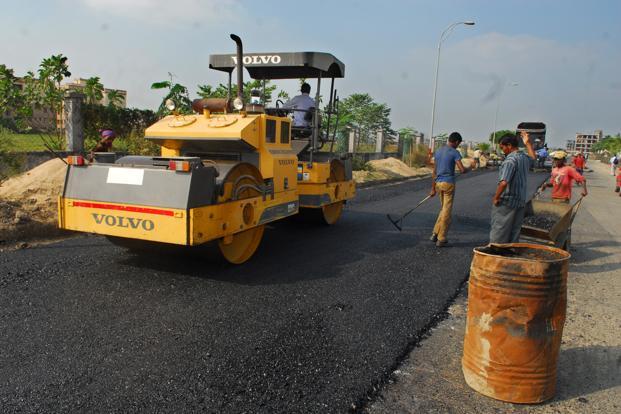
(542, 155)
(443, 184)
(509, 201)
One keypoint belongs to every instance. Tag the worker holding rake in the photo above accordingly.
(443, 184)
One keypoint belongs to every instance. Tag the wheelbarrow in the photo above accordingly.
(558, 232)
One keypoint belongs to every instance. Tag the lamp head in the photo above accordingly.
(469, 23)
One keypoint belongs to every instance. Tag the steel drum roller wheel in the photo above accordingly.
(241, 182)
(242, 246)
(332, 212)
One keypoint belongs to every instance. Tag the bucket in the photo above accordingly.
(517, 300)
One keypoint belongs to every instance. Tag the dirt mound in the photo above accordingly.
(28, 202)
(389, 168)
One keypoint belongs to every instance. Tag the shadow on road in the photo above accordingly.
(323, 251)
(586, 370)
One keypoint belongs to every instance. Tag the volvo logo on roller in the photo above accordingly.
(259, 59)
(125, 222)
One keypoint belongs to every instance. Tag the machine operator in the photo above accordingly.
(303, 102)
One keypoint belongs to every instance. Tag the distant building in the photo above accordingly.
(79, 84)
(584, 142)
(571, 145)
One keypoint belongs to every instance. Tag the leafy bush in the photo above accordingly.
(10, 162)
(417, 155)
(358, 164)
(128, 123)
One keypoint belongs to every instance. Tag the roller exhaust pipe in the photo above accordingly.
(239, 67)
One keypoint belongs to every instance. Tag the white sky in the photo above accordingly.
(565, 55)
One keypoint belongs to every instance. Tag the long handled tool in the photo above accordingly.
(398, 222)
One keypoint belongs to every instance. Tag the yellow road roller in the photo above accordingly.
(224, 171)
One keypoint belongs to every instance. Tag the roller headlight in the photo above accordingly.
(170, 104)
(238, 103)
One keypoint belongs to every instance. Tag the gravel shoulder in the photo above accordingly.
(589, 377)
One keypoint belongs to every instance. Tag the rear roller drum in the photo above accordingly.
(332, 212)
(327, 215)
(241, 246)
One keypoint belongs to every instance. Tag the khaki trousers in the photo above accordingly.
(445, 192)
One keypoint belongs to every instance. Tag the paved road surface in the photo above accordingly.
(316, 322)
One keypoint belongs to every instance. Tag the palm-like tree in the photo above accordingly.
(115, 98)
(93, 89)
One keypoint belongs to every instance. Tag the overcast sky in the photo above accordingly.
(565, 55)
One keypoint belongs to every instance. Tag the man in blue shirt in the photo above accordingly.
(542, 155)
(443, 184)
(510, 198)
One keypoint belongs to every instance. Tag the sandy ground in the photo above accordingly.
(28, 202)
(589, 374)
(389, 168)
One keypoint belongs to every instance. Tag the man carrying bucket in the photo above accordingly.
(562, 179)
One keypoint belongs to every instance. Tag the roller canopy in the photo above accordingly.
(532, 126)
(283, 65)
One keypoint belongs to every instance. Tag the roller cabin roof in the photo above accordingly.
(287, 65)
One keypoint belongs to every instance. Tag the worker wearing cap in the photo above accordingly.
(303, 103)
(105, 144)
(443, 182)
(562, 179)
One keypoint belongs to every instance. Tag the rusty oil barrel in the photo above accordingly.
(517, 299)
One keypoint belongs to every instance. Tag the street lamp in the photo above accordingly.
(496, 115)
(445, 34)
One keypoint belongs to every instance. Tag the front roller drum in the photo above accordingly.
(242, 181)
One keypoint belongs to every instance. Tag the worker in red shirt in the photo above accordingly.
(618, 189)
(580, 163)
(562, 179)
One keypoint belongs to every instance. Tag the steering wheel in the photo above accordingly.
(279, 102)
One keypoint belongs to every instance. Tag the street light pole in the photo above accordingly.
(496, 115)
(445, 34)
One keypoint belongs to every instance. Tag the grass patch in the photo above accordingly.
(25, 142)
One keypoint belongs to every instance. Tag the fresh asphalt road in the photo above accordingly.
(315, 322)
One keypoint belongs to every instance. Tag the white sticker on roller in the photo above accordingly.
(130, 176)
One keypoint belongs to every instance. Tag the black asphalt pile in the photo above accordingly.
(541, 221)
(316, 322)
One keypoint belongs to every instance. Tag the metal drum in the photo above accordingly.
(517, 299)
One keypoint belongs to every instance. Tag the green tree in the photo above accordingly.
(11, 99)
(114, 98)
(221, 91)
(611, 144)
(360, 112)
(52, 71)
(93, 89)
(407, 133)
(178, 93)
(500, 134)
(483, 146)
